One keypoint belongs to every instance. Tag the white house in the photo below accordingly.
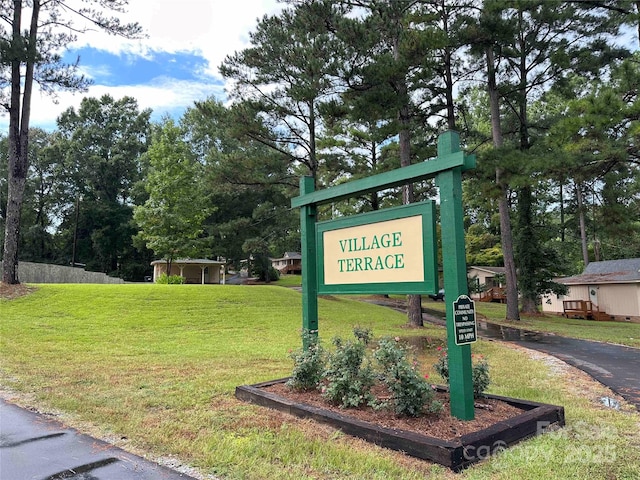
(486, 276)
(611, 289)
(291, 262)
(488, 283)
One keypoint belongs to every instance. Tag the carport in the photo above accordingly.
(193, 270)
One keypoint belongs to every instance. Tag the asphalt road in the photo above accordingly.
(37, 447)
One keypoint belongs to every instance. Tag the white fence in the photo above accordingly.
(29, 272)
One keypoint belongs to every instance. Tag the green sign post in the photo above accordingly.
(309, 265)
(337, 256)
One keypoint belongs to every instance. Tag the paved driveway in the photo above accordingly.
(615, 366)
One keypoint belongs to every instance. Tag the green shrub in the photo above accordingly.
(170, 279)
(480, 375)
(309, 365)
(346, 376)
(410, 392)
(349, 375)
(479, 372)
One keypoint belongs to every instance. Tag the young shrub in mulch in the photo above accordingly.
(349, 375)
(309, 365)
(479, 372)
(352, 371)
(409, 391)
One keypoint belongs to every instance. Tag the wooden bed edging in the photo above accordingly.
(455, 454)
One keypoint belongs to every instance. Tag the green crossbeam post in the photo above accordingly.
(309, 267)
(455, 277)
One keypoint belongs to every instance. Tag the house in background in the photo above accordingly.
(194, 270)
(605, 290)
(486, 283)
(291, 262)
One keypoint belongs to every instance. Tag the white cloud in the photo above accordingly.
(210, 28)
(164, 95)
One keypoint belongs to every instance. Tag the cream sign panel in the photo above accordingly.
(383, 252)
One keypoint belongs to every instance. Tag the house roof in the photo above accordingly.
(609, 271)
(290, 256)
(190, 261)
(495, 270)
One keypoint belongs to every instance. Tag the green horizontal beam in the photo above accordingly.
(401, 176)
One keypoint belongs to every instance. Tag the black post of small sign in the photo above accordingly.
(464, 318)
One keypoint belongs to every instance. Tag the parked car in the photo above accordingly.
(437, 296)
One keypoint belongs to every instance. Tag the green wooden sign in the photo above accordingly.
(351, 248)
(387, 251)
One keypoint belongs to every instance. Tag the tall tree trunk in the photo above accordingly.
(583, 227)
(313, 160)
(18, 140)
(451, 113)
(503, 203)
(562, 225)
(638, 23)
(526, 238)
(448, 75)
(414, 302)
(527, 252)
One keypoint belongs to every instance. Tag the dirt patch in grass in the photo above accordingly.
(10, 292)
(442, 425)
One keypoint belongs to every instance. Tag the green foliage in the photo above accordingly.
(79, 190)
(410, 392)
(480, 377)
(171, 220)
(349, 374)
(309, 364)
(260, 264)
(31, 52)
(249, 182)
(295, 51)
(479, 372)
(165, 279)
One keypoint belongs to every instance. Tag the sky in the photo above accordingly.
(174, 66)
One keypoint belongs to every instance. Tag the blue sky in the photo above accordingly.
(112, 69)
(174, 66)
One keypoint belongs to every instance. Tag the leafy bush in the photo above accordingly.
(349, 375)
(479, 372)
(480, 375)
(410, 392)
(309, 365)
(170, 279)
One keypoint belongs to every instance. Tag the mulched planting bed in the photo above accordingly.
(499, 422)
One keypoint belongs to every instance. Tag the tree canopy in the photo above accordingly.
(543, 92)
(34, 55)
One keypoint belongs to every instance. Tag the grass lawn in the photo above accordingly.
(156, 366)
(289, 281)
(622, 333)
